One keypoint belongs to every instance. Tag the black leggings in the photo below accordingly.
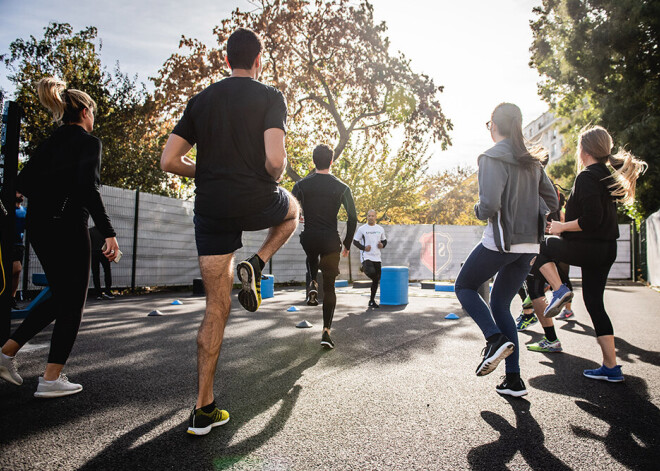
(595, 257)
(99, 259)
(536, 281)
(63, 249)
(374, 275)
(323, 251)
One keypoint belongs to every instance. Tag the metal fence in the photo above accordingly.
(651, 239)
(156, 235)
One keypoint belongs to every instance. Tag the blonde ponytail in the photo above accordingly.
(597, 142)
(64, 104)
(50, 95)
(627, 169)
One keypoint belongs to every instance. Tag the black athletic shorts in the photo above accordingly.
(223, 236)
(18, 253)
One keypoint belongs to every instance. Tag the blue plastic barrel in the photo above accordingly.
(267, 286)
(394, 286)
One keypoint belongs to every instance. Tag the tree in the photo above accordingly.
(450, 197)
(333, 63)
(600, 64)
(124, 120)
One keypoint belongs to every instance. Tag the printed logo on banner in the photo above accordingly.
(442, 251)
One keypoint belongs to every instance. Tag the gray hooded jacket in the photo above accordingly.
(513, 198)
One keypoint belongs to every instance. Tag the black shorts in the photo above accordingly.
(18, 253)
(223, 236)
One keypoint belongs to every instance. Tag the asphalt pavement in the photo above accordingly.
(399, 391)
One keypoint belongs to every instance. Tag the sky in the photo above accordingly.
(477, 49)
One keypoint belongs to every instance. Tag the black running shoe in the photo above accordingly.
(249, 274)
(326, 341)
(494, 352)
(374, 304)
(515, 388)
(201, 423)
(313, 295)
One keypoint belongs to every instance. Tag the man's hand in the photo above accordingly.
(367, 248)
(380, 245)
(344, 253)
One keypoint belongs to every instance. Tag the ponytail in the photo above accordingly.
(508, 119)
(64, 104)
(597, 142)
(627, 169)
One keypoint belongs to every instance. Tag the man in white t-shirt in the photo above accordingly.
(370, 239)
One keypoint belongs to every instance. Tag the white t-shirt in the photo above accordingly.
(370, 235)
(488, 241)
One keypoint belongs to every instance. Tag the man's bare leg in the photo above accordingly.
(218, 276)
(280, 234)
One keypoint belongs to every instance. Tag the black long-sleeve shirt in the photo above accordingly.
(592, 204)
(62, 179)
(321, 195)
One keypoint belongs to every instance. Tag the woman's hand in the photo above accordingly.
(111, 248)
(555, 228)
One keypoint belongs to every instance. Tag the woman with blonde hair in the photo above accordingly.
(61, 181)
(515, 194)
(589, 234)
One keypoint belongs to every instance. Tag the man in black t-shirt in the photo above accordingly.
(321, 195)
(238, 126)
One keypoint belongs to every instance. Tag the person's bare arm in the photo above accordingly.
(275, 153)
(174, 158)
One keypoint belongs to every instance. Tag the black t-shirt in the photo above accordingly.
(227, 121)
(321, 195)
(592, 205)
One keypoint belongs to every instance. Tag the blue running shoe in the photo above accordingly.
(613, 375)
(559, 298)
(525, 321)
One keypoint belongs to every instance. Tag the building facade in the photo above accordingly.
(544, 130)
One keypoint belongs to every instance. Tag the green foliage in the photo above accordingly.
(600, 64)
(450, 197)
(124, 118)
(333, 63)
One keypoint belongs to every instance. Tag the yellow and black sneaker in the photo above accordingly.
(201, 423)
(249, 274)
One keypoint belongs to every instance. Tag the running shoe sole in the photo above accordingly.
(531, 348)
(312, 299)
(50, 394)
(556, 309)
(248, 294)
(489, 365)
(511, 392)
(615, 379)
(205, 430)
(327, 345)
(7, 376)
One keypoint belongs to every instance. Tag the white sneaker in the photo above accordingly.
(59, 387)
(8, 370)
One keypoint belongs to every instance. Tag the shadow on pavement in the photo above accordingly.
(624, 350)
(525, 437)
(632, 438)
(139, 377)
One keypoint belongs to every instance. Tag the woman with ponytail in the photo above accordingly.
(588, 237)
(61, 181)
(515, 194)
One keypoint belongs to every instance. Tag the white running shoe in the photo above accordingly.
(8, 370)
(59, 387)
